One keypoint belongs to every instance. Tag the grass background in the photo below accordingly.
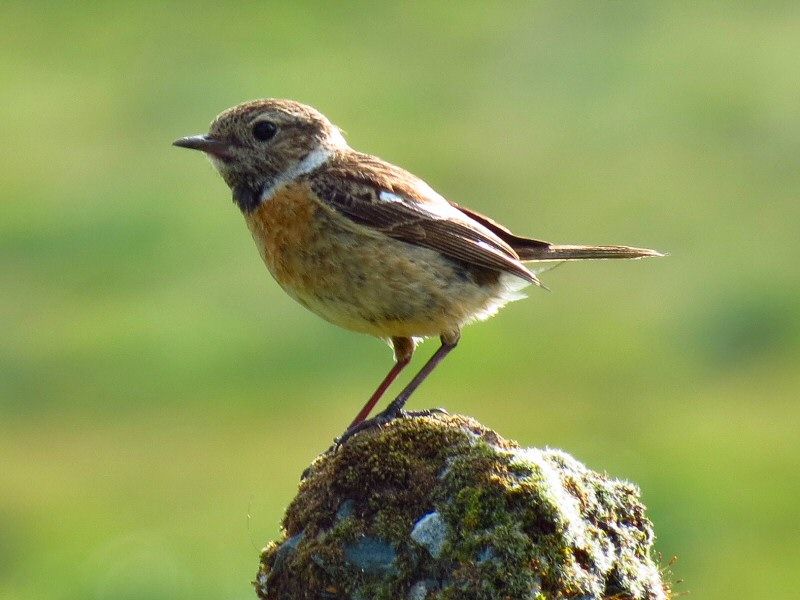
(160, 396)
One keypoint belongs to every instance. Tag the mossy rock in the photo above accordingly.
(440, 507)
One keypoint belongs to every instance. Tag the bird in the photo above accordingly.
(367, 245)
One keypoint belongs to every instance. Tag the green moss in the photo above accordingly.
(518, 523)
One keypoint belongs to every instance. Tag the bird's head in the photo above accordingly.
(259, 144)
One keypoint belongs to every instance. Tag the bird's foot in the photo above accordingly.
(383, 418)
(426, 413)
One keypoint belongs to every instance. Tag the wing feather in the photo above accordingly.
(388, 199)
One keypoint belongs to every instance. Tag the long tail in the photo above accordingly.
(531, 249)
(568, 252)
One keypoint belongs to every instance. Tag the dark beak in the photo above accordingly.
(207, 144)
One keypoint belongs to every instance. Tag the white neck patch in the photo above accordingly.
(314, 159)
(332, 142)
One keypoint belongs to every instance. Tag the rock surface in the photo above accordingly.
(440, 507)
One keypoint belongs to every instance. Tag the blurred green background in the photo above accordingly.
(160, 396)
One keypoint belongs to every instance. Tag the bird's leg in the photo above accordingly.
(395, 409)
(403, 351)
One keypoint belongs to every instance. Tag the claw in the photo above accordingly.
(381, 419)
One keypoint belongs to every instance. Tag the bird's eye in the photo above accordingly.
(264, 130)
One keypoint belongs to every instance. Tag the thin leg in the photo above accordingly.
(395, 409)
(403, 350)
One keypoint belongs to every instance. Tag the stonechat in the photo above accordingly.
(365, 244)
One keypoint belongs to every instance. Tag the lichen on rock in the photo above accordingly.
(439, 507)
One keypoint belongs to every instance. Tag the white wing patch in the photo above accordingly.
(390, 197)
(439, 208)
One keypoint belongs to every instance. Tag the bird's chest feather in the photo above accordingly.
(360, 279)
(286, 229)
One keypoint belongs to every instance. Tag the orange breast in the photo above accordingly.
(360, 279)
(283, 228)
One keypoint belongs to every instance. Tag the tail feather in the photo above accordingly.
(569, 252)
(529, 249)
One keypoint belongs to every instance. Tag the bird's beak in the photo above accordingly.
(206, 143)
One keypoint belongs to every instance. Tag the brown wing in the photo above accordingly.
(530, 249)
(377, 194)
(522, 246)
